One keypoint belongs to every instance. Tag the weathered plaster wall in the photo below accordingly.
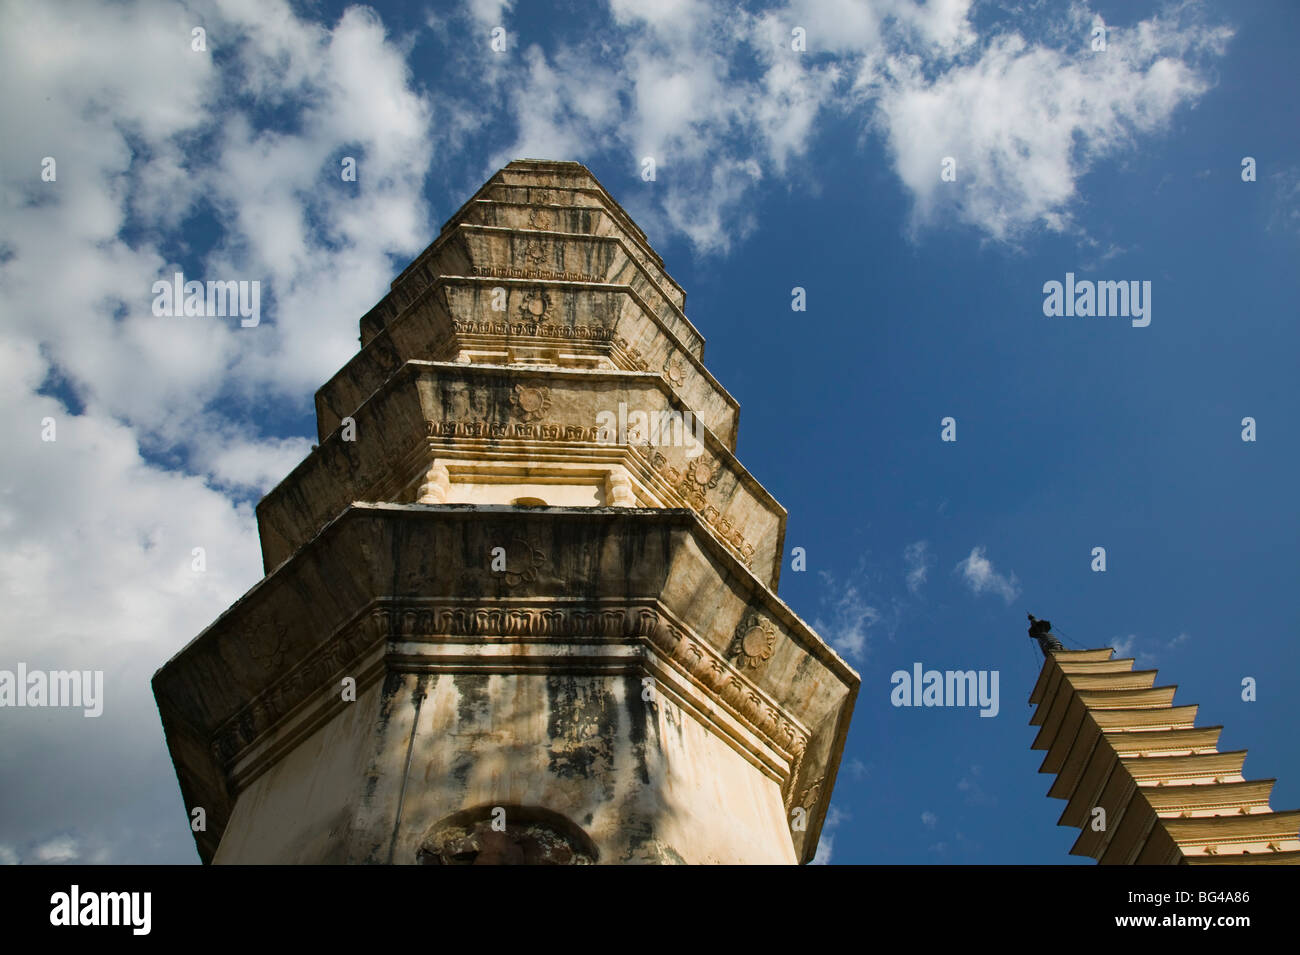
(301, 809)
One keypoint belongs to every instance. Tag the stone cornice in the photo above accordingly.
(576, 172)
(500, 329)
(519, 633)
(422, 272)
(265, 659)
(320, 470)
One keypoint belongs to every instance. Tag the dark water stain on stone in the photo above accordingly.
(473, 706)
(639, 712)
(388, 701)
(582, 721)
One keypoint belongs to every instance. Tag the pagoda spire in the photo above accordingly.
(1142, 782)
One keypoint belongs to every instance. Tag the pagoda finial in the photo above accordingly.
(1041, 630)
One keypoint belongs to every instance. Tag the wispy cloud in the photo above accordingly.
(971, 787)
(850, 618)
(918, 560)
(56, 851)
(826, 845)
(1150, 651)
(981, 577)
(1285, 201)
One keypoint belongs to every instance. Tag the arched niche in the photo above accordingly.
(506, 835)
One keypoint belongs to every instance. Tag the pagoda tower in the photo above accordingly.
(520, 602)
(1145, 785)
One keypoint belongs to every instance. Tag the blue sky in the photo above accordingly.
(774, 169)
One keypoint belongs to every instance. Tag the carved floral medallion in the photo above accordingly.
(531, 402)
(753, 643)
(675, 370)
(267, 644)
(703, 475)
(535, 304)
(537, 251)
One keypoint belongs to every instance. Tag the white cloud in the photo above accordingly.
(1026, 120)
(489, 13)
(981, 577)
(851, 617)
(826, 844)
(721, 101)
(96, 570)
(60, 849)
(929, 819)
(918, 560)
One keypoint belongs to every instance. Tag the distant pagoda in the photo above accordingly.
(1117, 743)
(526, 539)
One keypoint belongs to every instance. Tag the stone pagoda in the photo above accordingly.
(520, 603)
(1144, 783)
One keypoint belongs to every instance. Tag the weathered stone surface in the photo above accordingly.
(560, 324)
(545, 185)
(490, 251)
(428, 407)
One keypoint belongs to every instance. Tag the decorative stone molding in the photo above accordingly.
(437, 483)
(594, 333)
(809, 796)
(527, 432)
(701, 475)
(515, 272)
(634, 356)
(308, 678)
(451, 621)
(692, 490)
(748, 703)
(618, 488)
(716, 674)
